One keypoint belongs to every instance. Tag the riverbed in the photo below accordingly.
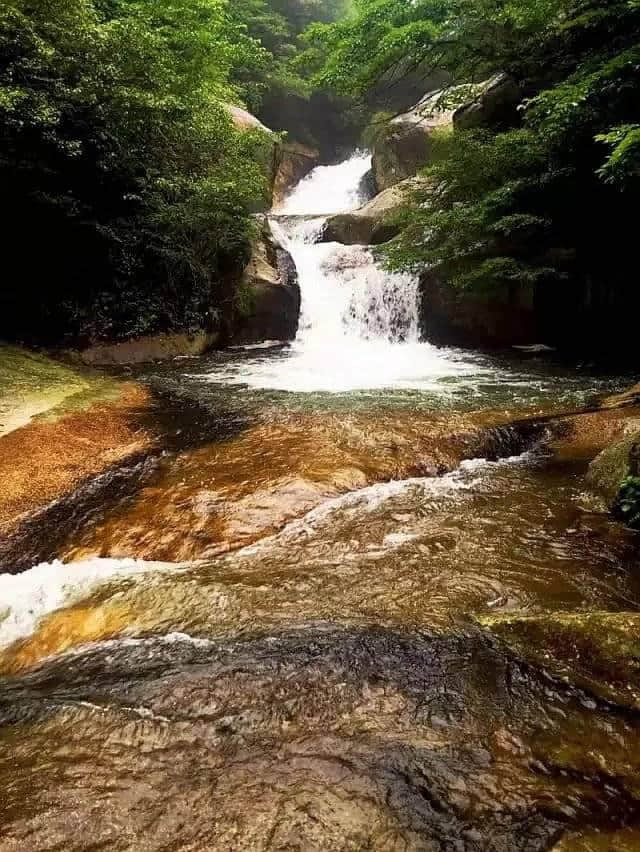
(357, 596)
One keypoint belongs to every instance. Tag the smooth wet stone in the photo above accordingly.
(321, 738)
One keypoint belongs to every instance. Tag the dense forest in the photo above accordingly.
(544, 198)
(130, 191)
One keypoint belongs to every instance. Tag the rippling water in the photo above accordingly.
(278, 639)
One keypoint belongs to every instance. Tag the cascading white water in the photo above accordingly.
(329, 189)
(359, 323)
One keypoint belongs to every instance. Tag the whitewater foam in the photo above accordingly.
(329, 189)
(451, 486)
(28, 597)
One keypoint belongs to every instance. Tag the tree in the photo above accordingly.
(548, 202)
(120, 164)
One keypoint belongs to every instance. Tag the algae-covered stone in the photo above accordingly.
(615, 463)
(33, 384)
(598, 651)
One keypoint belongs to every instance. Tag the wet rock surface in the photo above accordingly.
(338, 682)
(600, 650)
(295, 161)
(372, 223)
(339, 739)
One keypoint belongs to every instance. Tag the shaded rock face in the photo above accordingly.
(495, 104)
(322, 121)
(367, 190)
(449, 315)
(405, 147)
(295, 161)
(373, 223)
(268, 298)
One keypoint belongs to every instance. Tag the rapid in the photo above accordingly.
(351, 604)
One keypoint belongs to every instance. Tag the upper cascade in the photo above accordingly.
(329, 189)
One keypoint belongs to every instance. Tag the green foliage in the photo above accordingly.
(627, 504)
(276, 26)
(469, 37)
(623, 163)
(538, 203)
(120, 165)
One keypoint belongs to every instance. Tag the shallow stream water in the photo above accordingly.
(278, 639)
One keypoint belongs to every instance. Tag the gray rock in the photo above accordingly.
(267, 303)
(294, 162)
(406, 144)
(495, 103)
(373, 223)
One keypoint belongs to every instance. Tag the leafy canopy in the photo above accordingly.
(549, 199)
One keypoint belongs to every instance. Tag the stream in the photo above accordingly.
(282, 637)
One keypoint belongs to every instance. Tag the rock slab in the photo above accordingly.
(268, 297)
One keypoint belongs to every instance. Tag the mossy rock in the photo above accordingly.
(376, 221)
(615, 463)
(34, 385)
(598, 651)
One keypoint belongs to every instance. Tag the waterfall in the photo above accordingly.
(346, 296)
(359, 324)
(329, 189)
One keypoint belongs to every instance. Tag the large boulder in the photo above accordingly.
(267, 299)
(405, 145)
(453, 316)
(495, 103)
(294, 162)
(372, 223)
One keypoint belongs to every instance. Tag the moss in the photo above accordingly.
(610, 469)
(244, 300)
(34, 385)
(599, 651)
